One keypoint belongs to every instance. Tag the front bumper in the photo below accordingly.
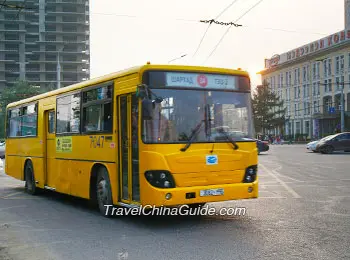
(156, 197)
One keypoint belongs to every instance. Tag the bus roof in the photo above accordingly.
(114, 75)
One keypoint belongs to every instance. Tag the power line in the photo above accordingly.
(284, 30)
(2, 4)
(206, 31)
(228, 29)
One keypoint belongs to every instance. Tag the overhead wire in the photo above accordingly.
(206, 31)
(228, 29)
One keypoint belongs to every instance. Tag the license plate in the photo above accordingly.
(212, 192)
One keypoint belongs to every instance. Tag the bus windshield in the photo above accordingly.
(214, 114)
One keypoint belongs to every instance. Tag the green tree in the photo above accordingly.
(268, 111)
(20, 90)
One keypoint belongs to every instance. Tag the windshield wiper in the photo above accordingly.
(194, 133)
(222, 131)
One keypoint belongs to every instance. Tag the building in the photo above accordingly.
(45, 42)
(310, 80)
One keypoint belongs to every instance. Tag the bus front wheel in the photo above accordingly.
(104, 192)
(30, 186)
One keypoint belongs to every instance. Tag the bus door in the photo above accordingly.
(128, 149)
(50, 144)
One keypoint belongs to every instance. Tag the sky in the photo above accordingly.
(127, 33)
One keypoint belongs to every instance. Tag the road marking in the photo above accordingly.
(20, 206)
(10, 195)
(289, 189)
(19, 198)
(27, 220)
(272, 197)
(289, 177)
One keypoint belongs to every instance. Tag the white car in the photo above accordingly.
(312, 146)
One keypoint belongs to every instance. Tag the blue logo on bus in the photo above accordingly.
(212, 159)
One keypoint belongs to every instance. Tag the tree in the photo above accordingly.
(268, 111)
(20, 90)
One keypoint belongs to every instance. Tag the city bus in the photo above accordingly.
(160, 135)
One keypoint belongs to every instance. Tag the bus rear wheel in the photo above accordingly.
(30, 186)
(104, 192)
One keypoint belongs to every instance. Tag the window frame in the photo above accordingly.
(97, 102)
(56, 110)
(54, 122)
(21, 107)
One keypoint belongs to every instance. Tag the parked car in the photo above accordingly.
(263, 146)
(2, 150)
(312, 146)
(337, 142)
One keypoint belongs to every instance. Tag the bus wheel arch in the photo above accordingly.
(99, 178)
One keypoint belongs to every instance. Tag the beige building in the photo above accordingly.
(310, 80)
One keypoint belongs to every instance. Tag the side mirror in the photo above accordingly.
(141, 91)
(158, 100)
(147, 107)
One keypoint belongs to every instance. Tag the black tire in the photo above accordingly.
(329, 149)
(104, 192)
(29, 177)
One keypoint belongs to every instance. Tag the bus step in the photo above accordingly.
(49, 188)
(128, 205)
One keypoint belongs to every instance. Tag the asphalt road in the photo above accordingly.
(303, 213)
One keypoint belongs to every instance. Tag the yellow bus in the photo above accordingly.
(160, 135)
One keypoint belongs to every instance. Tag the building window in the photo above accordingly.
(339, 83)
(328, 104)
(98, 110)
(298, 91)
(314, 89)
(68, 114)
(290, 78)
(307, 127)
(297, 127)
(329, 69)
(287, 79)
(304, 74)
(330, 85)
(314, 71)
(339, 64)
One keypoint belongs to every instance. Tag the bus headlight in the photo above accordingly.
(250, 174)
(160, 179)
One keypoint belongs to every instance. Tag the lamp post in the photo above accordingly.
(58, 71)
(342, 124)
(59, 67)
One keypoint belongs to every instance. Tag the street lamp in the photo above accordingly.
(342, 124)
